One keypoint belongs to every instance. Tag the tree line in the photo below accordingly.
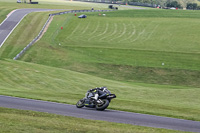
(188, 4)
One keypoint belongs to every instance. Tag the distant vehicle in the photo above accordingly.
(82, 16)
(173, 8)
(112, 7)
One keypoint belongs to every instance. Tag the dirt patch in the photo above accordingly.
(45, 29)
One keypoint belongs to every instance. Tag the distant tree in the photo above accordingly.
(173, 4)
(30, 1)
(192, 6)
(146, 1)
(195, 6)
(134, 0)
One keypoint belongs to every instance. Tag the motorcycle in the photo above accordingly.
(89, 102)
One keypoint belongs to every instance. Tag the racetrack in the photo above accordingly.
(107, 115)
(9, 24)
(71, 110)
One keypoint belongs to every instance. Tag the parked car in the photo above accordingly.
(82, 16)
(112, 7)
(173, 8)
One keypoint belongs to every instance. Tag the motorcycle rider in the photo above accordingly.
(98, 92)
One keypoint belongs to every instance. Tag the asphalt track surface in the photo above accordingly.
(9, 24)
(107, 115)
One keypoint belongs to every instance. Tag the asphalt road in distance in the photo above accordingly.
(11, 22)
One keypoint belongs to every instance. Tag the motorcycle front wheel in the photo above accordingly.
(80, 103)
(102, 106)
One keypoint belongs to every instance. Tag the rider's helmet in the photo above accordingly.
(103, 89)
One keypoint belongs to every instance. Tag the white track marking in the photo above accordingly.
(8, 16)
(138, 35)
(115, 30)
(131, 34)
(94, 31)
(16, 24)
(141, 33)
(119, 35)
(107, 25)
(12, 29)
(77, 27)
(154, 29)
(86, 28)
(124, 31)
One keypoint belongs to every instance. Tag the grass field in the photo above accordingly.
(149, 58)
(29, 121)
(137, 49)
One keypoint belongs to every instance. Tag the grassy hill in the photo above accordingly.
(148, 46)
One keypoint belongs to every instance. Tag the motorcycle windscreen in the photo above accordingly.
(89, 94)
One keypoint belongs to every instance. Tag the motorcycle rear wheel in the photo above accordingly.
(103, 106)
(80, 103)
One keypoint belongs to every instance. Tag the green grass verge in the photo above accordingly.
(59, 85)
(16, 121)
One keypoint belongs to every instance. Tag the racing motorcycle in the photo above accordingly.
(103, 103)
